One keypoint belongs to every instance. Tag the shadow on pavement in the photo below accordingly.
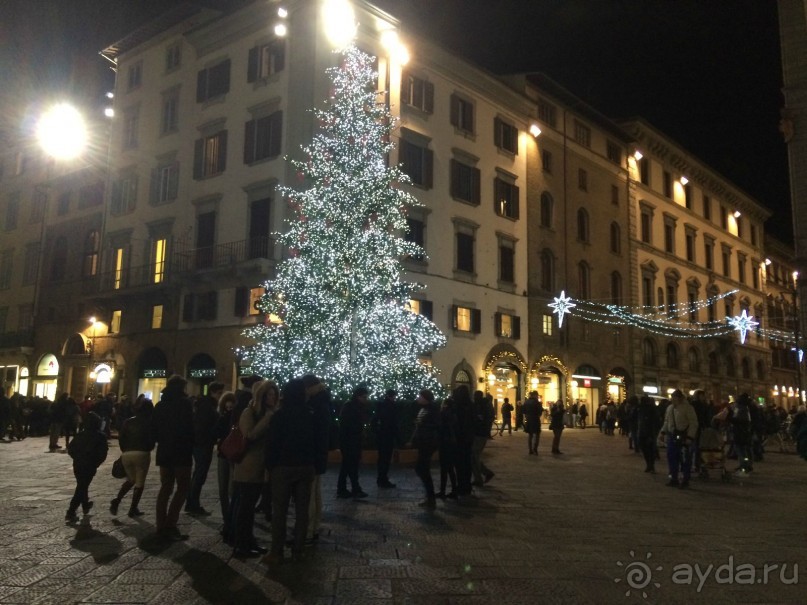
(103, 548)
(223, 585)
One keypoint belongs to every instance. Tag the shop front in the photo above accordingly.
(47, 376)
(200, 373)
(548, 377)
(617, 385)
(586, 385)
(504, 372)
(152, 373)
(14, 379)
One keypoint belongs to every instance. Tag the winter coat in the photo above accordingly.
(173, 428)
(88, 450)
(205, 417)
(252, 468)
(136, 435)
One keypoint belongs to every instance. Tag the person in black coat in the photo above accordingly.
(426, 439)
(556, 415)
(532, 411)
(465, 438)
(448, 448)
(647, 428)
(173, 426)
(351, 425)
(385, 427)
(205, 418)
(319, 400)
(88, 451)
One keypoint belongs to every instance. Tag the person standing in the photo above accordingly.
(173, 432)
(351, 425)
(647, 427)
(72, 415)
(58, 413)
(583, 415)
(483, 421)
(426, 439)
(5, 414)
(88, 451)
(448, 448)
(224, 423)
(740, 418)
(136, 440)
(532, 411)
(319, 400)
(556, 424)
(680, 427)
(465, 438)
(385, 426)
(519, 416)
(507, 417)
(249, 474)
(290, 457)
(205, 418)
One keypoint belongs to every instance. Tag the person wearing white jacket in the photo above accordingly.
(680, 429)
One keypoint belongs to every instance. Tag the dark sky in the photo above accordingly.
(706, 72)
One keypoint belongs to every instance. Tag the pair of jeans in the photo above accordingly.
(223, 472)
(288, 482)
(447, 456)
(533, 440)
(679, 458)
(202, 457)
(81, 496)
(315, 507)
(385, 448)
(248, 494)
(423, 470)
(478, 467)
(351, 457)
(170, 476)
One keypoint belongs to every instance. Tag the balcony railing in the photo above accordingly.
(21, 338)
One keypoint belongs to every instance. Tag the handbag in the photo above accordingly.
(117, 469)
(234, 446)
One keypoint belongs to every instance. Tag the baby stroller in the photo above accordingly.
(713, 454)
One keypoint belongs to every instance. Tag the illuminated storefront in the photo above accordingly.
(152, 373)
(47, 375)
(585, 387)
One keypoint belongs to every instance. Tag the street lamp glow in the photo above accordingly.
(684, 180)
(92, 320)
(340, 22)
(535, 130)
(280, 30)
(109, 112)
(282, 13)
(61, 132)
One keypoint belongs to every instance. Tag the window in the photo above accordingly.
(688, 196)
(724, 217)
(204, 256)
(39, 202)
(741, 268)
(547, 113)
(421, 307)
(692, 307)
(711, 309)
(649, 352)
(672, 299)
(615, 195)
(156, 317)
(507, 326)
(119, 256)
(669, 235)
(546, 161)
(260, 243)
(584, 280)
(416, 233)
(3, 319)
(92, 245)
(124, 195)
(255, 295)
(709, 253)
(465, 182)
(25, 319)
(173, 57)
(546, 325)
(58, 265)
(30, 265)
(135, 76)
(91, 195)
(417, 162)
(707, 208)
(506, 262)
(164, 183)
(505, 198)
(739, 223)
(672, 356)
(462, 114)
(644, 171)
(465, 252)
(547, 271)
(667, 185)
(505, 136)
(547, 204)
(114, 324)
(200, 306)
(694, 360)
(158, 250)
(647, 291)
(131, 123)
(753, 235)
(263, 137)
(169, 121)
(6, 259)
(616, 238)
(646, 225)
(582, 225)
(465, 319)
(726, 254)
(210, 155)
(690, 245)
(755, 275)
(582, 179)
(213, 82)
(417, 93)
(616, 288)
(12, 211)
(266, 60)
(582, 134)
(613, 152)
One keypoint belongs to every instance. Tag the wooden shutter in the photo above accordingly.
(276, 130)
(497, 132)
(115, 202)
(476, 321)
(428, 97)
(476, 196)
(279, 52)
(241, 308)
(173, 183)
(252, 64)
(455, 177)
(404, 155)
(428, 168)
(516, 202)
(201, 86)
(198, 158)
(497, 323)
(221, 162)
(454, 311)
(187, 308)
(249, 142)
(516, 327)
(497, 196)
(426, 309)
(225, 76)
(212, 306)
(455, 111)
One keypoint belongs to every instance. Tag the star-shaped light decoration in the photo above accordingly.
(561, 305)
(743, 324)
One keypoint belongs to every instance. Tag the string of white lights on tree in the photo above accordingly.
(339, 296)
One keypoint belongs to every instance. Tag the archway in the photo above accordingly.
(549, 376)
(47, 373)
(201, 371)
(617, 384)
(505, 369)
(585, 386)
(463, 375)
(152, 367)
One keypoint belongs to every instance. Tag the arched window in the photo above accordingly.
(59, 261)
(694, 360)
(649, 352)
(92, 245)
(547, 204)
(672, 356)
(711, 308)
(584, 280)
(713, 369)
(745, 368)
(616, 288)
(547, 270)
(582, 225)
(616, 238)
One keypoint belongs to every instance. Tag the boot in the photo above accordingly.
(133, 510)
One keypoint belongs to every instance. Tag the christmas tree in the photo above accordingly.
(339, 294)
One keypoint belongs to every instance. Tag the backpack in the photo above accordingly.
(742, 415)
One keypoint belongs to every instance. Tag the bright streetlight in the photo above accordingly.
(340, 22)
(61, 132)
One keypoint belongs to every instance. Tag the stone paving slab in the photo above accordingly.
(547, 529)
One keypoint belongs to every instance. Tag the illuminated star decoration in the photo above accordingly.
(561, 305)
(743, 323)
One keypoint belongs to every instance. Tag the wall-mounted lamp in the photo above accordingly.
(281, 30)
(282, 13)
(767, 261)
(535, 130)
(737, 214)
(637, 155)
(684, 180)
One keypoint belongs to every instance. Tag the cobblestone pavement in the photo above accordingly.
(587, 526)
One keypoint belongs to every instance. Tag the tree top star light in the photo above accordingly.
(562, 305)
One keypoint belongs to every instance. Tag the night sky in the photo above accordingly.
(705, 72)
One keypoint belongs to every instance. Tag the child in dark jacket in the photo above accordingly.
(88, 451)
